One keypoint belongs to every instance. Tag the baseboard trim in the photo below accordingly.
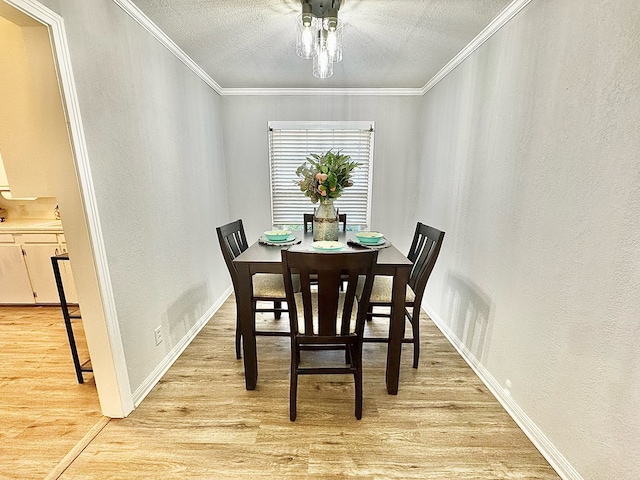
(544, 445)
(143, 390)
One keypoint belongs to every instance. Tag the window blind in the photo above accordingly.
(289, 146)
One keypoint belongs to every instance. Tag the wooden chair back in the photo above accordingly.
(424, 252)
(233, 242)
(331, 315)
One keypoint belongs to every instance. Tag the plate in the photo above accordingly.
(277, 235)
(288, 239)
(378, 244)
(370, 238)
(327, 245)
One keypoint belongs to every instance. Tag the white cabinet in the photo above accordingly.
(15, 286)
(26, 273)
(38, 260)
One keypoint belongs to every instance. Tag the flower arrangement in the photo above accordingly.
(325, 176)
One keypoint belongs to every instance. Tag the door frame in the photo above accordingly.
(103, 332)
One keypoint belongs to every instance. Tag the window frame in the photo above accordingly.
(319, 126)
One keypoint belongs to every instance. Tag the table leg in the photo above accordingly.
(396, 333)
(247, 326)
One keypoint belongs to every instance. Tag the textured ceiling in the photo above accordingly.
(387, 43)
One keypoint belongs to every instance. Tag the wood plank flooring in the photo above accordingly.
(200, 422)
(44, 412)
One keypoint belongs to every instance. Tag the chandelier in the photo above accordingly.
(319, 35)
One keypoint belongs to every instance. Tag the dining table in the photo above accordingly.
(260, 258)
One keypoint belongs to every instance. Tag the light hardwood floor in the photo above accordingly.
(44, 412)
(200, 422)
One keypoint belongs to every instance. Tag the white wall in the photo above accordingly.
(526, 155)
(529, 162)
(394, 164)
(154, 139)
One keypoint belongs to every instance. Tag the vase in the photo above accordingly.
(325, 221)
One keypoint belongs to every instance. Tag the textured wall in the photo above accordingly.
(154, 141)
(394, 165)
(529, 161)
(526, 155)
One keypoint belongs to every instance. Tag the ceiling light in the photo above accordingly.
(322, 62)
(319, 35)
(307, 31)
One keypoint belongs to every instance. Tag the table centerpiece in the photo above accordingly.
(323, 178)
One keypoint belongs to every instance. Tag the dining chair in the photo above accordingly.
(327, 318)
(423, 253)
(308, 221)
(267, 287)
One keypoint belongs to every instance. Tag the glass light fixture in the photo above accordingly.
(334, 37)
(322, 63)
(307, 31)
(319, 35)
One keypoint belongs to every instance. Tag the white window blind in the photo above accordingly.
(290, 143)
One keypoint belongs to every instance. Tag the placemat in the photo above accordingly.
(356, 244)
(264, 241)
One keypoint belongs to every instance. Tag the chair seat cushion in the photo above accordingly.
(314, 297)
(272, 285)
(382, 289)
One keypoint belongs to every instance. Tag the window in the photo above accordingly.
(290, 143)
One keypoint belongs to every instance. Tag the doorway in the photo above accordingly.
(75, 194)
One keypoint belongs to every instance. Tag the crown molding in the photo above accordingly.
(496, 24)
(322, 91)
(139, 16)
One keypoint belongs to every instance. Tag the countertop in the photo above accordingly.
(31, 225)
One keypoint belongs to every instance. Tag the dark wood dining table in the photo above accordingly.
(260, 258)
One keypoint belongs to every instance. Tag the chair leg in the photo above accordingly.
(415, 326)
(277, 304)
(238, 337)
(356, 354)
(238, 342)
(293, 387)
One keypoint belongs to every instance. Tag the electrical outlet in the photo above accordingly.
(158, 334)
(23, 210)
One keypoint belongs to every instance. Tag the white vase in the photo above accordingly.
(325, 221)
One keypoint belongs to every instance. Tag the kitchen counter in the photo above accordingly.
(31, 225)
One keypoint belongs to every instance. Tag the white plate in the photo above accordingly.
(327, 245)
